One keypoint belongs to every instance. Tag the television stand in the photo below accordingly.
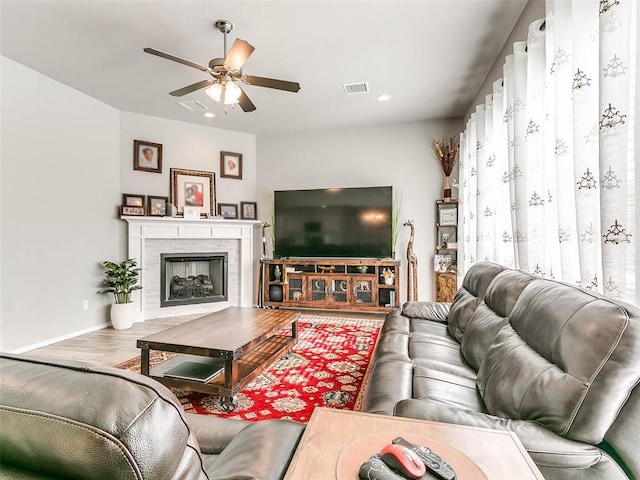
(332, 283)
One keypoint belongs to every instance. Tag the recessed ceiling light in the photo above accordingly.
(383, 98)
(208, 114)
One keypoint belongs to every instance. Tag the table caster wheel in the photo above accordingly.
(228, 404)
(288, 355)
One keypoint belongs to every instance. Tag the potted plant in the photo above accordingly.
(121, 279)
(446, 154)
(388, 276)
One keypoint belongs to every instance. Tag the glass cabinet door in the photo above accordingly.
(318, 289)
(363, 291)
(296, 289)
(340, 290)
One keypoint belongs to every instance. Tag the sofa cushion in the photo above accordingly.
(568, 359)
(77, 420)
(469, 296)
(447, 388)
(434, 311)
(388, 383)
(491, 315)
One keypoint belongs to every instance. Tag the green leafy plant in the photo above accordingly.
(396, 208)
(121, 279)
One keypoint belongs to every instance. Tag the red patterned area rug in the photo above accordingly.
(327, 368)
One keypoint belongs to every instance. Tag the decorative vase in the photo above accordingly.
(446, 193)
(122, 315)
(388, 281)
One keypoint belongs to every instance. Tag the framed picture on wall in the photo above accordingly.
(157, 206)
(231, 165)
(133, 200)
(193, 188)
(249, 210)
(228, 210)
(147, 156)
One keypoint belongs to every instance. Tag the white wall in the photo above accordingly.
(185, 146)
(534, 10)
(399, 155)
(60, 182)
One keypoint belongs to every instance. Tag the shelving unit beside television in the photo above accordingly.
(446, 256)
(345, 284)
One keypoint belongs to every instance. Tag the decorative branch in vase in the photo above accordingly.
(446, 153)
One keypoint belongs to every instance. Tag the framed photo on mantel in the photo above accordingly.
(193, 188)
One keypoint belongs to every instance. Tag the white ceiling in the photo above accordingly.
(432, 56)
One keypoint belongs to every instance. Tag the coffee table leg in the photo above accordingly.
(144, 361)
(228, 403)
(294, 329)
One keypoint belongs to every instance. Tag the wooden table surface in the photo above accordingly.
(229, 330)
(330, 432)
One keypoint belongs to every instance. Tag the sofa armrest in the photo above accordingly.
(262, 451)
(214, 434)
(435, 311)
(545, 447)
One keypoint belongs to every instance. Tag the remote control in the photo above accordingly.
(433, 462)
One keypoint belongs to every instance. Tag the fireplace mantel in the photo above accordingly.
(144, 229)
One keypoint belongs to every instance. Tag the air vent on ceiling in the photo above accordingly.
(356, 88)
(193, 105)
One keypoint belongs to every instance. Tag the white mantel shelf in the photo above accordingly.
(142, 229)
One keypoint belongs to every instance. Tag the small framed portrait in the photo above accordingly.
(231, 165)
(249, 210)
(132, 211)
(228, 210)
(193, 188)
(192, 213)
(133, 200)
(147, 156)
(157, 206)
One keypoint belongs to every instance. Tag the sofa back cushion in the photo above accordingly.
(568, 359)
(469, 296)
(492, 314)
(75, 420)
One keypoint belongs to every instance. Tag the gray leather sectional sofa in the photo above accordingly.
(75, 420)
(556, 364)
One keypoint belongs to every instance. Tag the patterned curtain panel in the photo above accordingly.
(548, 165)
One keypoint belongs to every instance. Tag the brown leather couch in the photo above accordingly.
(77, 421)
(556, 364)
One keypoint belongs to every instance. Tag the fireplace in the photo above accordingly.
(190, 278)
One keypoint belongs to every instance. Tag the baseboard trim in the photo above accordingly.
(60, 338)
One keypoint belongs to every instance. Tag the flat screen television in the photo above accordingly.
(334, 222)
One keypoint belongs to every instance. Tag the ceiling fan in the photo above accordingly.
(226, 72)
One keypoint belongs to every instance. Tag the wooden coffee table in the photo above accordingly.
(336, 442)
(246, 339)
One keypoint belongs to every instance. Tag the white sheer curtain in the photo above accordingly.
(548, 163)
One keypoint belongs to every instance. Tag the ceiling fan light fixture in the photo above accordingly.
(214, 92)
(232, 93)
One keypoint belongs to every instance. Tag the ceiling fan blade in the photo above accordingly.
(240, 51)
(245, 103)
(272, 83)
(173, 58)
(191, 88)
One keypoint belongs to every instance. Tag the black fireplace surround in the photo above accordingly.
(190, 278)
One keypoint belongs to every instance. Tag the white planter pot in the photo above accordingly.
(388, 281)
(122, 315)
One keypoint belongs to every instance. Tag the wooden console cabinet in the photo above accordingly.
(345, 284)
